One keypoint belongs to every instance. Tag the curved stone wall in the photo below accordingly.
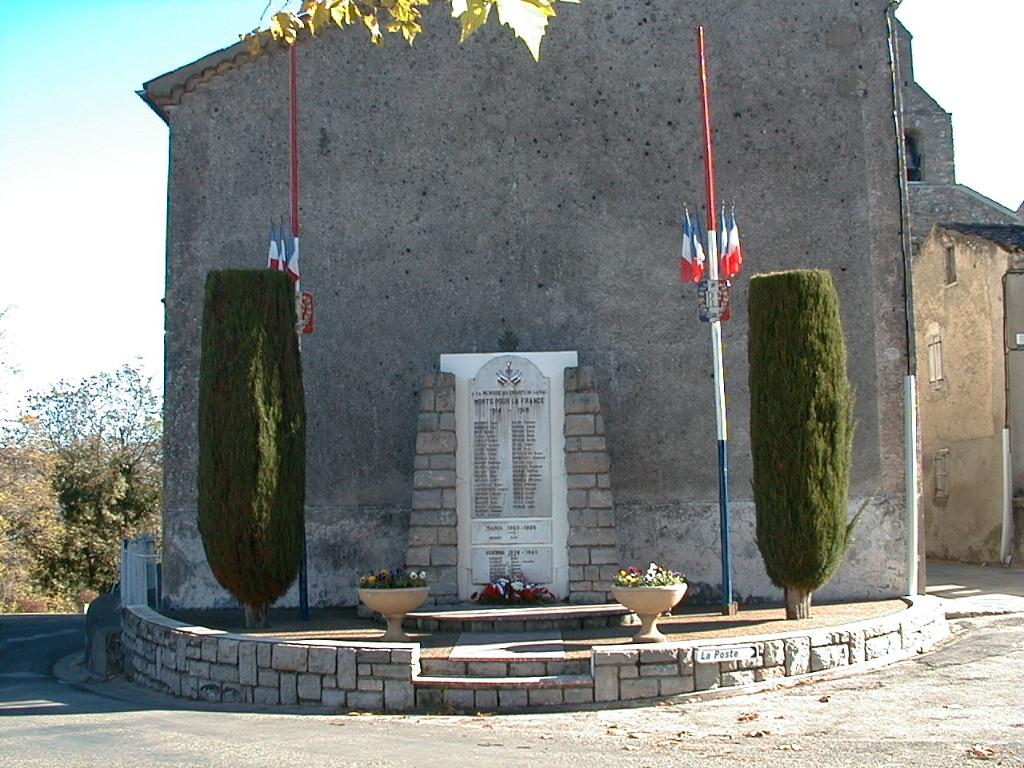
(205, 664)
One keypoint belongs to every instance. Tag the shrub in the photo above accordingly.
(252, 426)
(801, 431)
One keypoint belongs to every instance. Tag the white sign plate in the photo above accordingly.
(714, 654)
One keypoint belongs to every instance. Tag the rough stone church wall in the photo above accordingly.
(454, 196)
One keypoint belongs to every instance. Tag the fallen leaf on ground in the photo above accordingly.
(980, 752)
(617, 730)
(669, 740)
(746, 717)
(757, 734)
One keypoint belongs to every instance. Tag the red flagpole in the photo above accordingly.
(293, 100)
(709, 156)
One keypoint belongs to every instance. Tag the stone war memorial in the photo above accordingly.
(506, 376)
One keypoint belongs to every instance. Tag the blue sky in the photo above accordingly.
(84, 161)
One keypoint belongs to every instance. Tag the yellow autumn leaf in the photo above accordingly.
(343, 12)
(319, 17)
(472, 14)
(370, 21)
(528, 19)
(285, 25)
(252, 42)
(407, 27)
(405, 17)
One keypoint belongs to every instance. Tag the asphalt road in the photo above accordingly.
(934, 710)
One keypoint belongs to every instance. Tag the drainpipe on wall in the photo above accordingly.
(1006, 540)
(915, 555)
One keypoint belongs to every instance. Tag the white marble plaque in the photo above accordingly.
(510, 435)
(512, 531)
(511, 495)
(527, 563)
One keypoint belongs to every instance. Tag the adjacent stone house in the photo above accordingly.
(460, 199)
(969, 303)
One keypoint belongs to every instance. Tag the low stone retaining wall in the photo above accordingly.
(624, 673)
(205, 664)
(209, 665)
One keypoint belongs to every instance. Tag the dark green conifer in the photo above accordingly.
(801, 430)
(252, 437)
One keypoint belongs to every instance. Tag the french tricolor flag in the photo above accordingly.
(291, 264)
(691, 262)
(274, 254)
(732, 253)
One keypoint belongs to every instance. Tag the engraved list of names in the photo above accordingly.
(510, 432)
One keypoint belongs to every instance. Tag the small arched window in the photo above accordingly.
(913, 157)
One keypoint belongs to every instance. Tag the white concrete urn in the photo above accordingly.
(393, 604)
(648, 603)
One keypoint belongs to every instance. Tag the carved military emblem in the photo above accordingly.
(509, 376)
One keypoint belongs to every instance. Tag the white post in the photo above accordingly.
(910, 412)
(716, 338)
(1006, 542)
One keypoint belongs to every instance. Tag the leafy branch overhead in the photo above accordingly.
(528, 19)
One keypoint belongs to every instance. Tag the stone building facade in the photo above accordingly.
(453, 197)
(969, 302)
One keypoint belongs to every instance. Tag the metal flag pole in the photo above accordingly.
(293, 110)
(728, 606)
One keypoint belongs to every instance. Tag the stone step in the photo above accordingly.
(521, 667)
(497, 683)
(492, 694)
(532, 618)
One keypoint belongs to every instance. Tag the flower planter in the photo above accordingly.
(393, 604)
(648, 603)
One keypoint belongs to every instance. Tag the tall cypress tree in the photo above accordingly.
(252, 437)
(801, 431)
